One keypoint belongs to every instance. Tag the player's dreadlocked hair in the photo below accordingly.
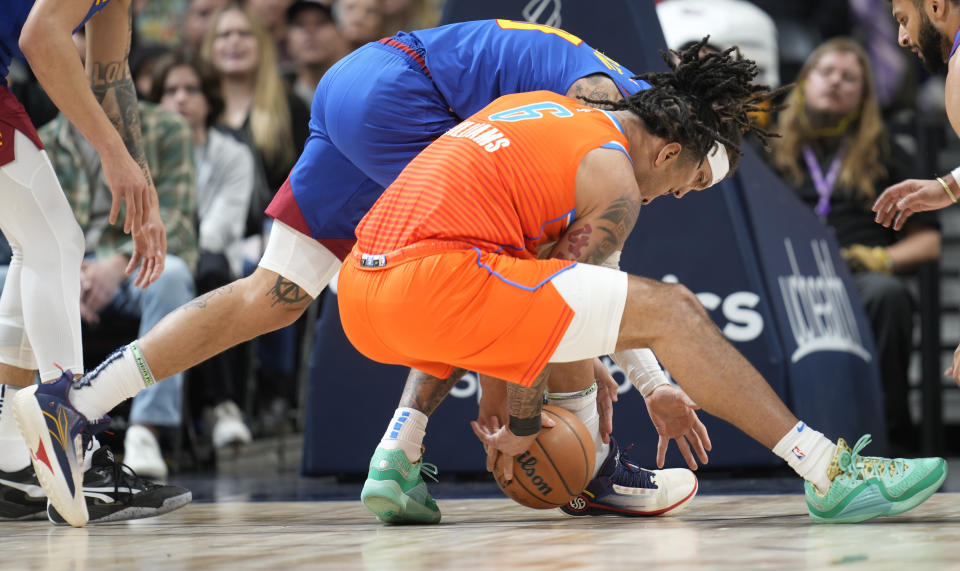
(703, 99)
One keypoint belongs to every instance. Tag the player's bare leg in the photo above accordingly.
(16, 376)
(212, 323)
(670, 320)
(841, 485)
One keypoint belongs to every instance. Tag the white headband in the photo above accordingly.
(719, 163)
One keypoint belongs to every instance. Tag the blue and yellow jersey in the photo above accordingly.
(12, 17)
(473, 63)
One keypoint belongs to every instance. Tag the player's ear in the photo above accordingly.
(668, 153)
(935, 9)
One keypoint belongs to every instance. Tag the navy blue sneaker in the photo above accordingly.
(51, 428)
(623, 488)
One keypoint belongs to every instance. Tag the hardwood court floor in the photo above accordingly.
(715, 532)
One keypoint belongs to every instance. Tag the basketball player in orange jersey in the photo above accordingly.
(372, 113)
(445, 275)
(931, 29)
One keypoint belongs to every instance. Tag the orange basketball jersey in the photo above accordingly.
(502, 181)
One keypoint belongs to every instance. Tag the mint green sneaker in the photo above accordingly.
(395, 490)
(866, 487)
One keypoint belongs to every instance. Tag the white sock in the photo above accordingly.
(583, 404)
(405, 432)
(14, 454)
(809, 453)
(121, 376)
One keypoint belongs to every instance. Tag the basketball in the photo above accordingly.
(557, 466)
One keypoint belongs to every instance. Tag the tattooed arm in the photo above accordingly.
(608, 203)
(595, 87)
(103, 109)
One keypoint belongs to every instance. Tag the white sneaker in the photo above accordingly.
(229, 427)
(623, 488)
(141, 452)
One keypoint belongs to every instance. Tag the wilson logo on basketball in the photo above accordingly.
(528, 464)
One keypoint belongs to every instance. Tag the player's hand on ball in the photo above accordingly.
(498, 440)
(674, 415)
(606, 396)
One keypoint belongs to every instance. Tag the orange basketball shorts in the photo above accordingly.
(494, 314)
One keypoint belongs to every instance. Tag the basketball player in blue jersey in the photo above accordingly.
(39, 306)
(931, 29)
(372, 113)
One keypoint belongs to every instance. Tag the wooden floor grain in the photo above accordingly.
(715, 532)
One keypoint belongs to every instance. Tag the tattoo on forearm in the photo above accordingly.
(202, 301)
(286, 292)
(113, 87)
(425, 392)
(527, 402)
(594, 243)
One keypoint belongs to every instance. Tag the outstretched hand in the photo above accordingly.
(149, 250)
(674, 415)
(900, 201)
(606, 396)
(499, 441)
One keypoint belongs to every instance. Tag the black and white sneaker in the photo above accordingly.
(21, 497)
(114, 492)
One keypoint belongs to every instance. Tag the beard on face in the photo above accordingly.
(931, 44)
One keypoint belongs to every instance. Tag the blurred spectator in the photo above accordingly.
(196, 22)
(156, 21)
(407, 15)
(143, 58)
(728, 23)
(225, 179)
(837, 155)
(359, 21)
(271, 14)
(255, 99)
(314, 43)
(802, 26)
(275, 121)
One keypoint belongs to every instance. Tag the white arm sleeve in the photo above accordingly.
(642, 368)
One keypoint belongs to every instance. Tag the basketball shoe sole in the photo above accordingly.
(51, 428)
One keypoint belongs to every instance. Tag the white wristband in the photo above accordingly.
(642, 368)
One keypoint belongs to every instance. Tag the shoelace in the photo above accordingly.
(126, 475)
(93, 428)
(863, 467)
(628, 474)
(430, 470)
